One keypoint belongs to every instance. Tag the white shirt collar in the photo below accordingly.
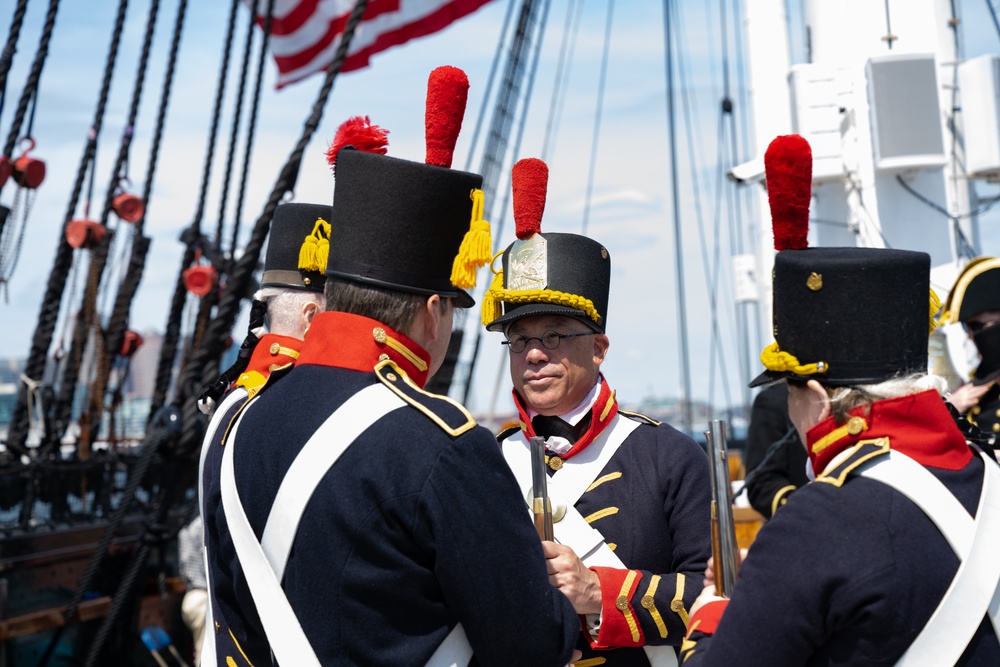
(574, 416)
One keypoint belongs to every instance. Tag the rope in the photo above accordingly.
(199, 370)
(31, 86)
(7, 57)
(251, 130)
(35, 365)
(597, 115)
(150, 447)
(87, 318)
(234, 131)
(489, 85)
(570, 32)
(171, 335)
(499, 225)
(95, 404)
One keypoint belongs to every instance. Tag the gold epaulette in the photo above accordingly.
(639, 417)
(450, 415)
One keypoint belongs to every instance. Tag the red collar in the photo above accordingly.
(918, 425)
(272, 352)
(604, 410)
(358, 343)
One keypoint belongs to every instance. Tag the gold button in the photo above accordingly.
(814, 282)
(274, 348)
(383, 357)
(821, 366)
(677, 606)
(604, 253)
(976, 409)
(273, 367)
(391, 377)
(555, 462)
(216, 626)
(996, 428)
(647, 602)
(621, 603)
(855, 425)
(307, 281)
(379, 334)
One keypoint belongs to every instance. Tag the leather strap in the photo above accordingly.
(568, 484)
(974, 592)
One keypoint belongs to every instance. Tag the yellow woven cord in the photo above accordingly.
(935, 306)
(476, 247)
(492, 306)
(540, 296)
(776, 360)
(315, 248)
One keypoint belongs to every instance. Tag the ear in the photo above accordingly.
(601, 345)
(433, 314)
(309, 310)
(820, 407)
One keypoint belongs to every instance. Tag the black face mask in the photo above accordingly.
(988, 343)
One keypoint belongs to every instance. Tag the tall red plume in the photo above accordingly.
(529, 185)
(788, 168)
(447, 93)
(359, 133)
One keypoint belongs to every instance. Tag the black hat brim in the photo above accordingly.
(534, 309)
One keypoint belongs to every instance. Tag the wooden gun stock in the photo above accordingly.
(541, 507)
(725, 549)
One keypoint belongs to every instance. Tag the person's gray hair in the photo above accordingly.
(397, 310)
(845, 399)
(284, 308)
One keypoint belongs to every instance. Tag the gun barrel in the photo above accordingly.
(724, 546)
(541, 507)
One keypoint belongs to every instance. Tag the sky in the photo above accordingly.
(631, 203)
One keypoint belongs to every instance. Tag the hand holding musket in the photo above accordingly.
(541, 507)
(724, 546)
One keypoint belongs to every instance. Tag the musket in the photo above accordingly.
(724, 545)
(541, 507)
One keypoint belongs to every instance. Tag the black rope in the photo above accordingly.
(33, 77)
(140, 245)
(570, 32)
(235, 130)
(7, 57)
(993, 15)
(172, 330)
(149, 449)
(86, 316)
(489, 85)
(153, 532)
(498, 225)
(88, 311)
(199, 370)
(35, 365)
(251, 130)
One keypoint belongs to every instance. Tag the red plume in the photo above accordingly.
(359, 133)
(447, 93)
(529, 185)
(788, 167)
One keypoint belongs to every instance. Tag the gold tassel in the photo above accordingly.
(315, 250)
(492, 305)
(935, 306)
(476, 248)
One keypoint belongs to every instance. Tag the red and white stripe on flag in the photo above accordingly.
(305, 33)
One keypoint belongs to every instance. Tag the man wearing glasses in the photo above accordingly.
(630, 496)
(975, 302)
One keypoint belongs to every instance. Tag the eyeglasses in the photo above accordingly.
(550, 339)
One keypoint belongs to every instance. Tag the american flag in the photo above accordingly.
(305, 33)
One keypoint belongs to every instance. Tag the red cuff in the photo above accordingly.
(619, 624)
(707, 618)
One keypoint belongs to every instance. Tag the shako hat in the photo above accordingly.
(546, 274)
(976, 290)
(843, 316)
(410, 226)
(297, 247)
